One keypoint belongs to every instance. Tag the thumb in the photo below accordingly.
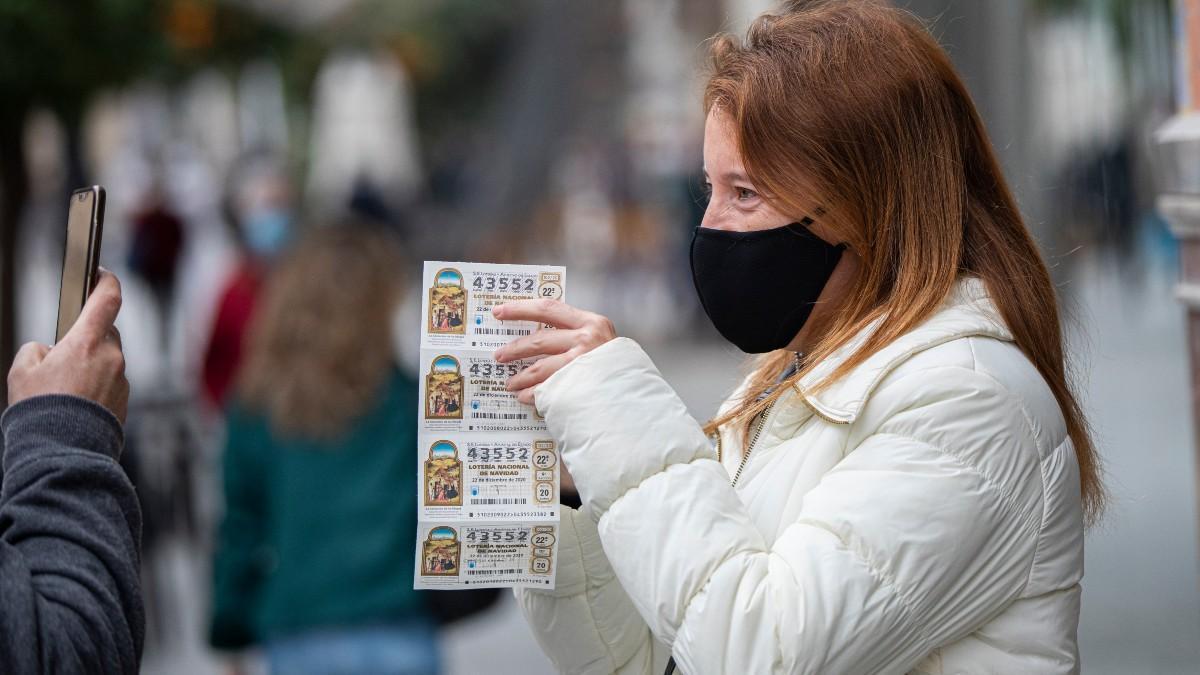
(99, 312)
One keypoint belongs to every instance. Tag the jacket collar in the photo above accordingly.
(967, 310)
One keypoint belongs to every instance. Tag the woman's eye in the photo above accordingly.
(746, 194)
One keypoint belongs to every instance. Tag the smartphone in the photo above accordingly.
(85, 225)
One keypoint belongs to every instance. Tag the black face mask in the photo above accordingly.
(759, 288)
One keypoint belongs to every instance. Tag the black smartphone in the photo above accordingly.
(85, 225)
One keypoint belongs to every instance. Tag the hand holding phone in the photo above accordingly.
(81, 257)
(87, 362)
(87, 359)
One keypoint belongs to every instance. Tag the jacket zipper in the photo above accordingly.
(758, 432)
(820, 414)
(762, 423)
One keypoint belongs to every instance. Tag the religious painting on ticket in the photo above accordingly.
(443, 475)
(448, 303)
(444, 389)
(442, 553)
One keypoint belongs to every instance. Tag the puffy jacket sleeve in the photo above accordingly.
(587, 623)
(920, 534)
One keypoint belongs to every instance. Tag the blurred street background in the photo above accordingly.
(561, 132)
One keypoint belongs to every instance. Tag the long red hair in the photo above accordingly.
(853, 107)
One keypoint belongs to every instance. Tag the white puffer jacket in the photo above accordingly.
(921, 515)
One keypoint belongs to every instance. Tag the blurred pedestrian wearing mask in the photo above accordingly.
(314, 554)
(260, 208)
(902, 483)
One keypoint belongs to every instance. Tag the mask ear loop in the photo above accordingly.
(807, 221)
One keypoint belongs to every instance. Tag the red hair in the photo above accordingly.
(853, 106)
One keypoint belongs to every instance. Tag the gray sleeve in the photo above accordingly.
(70, 531)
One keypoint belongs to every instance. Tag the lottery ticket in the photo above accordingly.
(453, 555)
(459, 297)
(489, 470)
(465, 391)
(489, 476)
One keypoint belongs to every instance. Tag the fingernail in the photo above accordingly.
(498, 356)
(496, 311)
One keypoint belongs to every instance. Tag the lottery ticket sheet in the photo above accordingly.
(455, 555)
(463, 391)
(489, 476)
(488, 470)
(459, 297)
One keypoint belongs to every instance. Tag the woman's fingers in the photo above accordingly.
(538, 373)
(576, 332)
(525, 396)
(552, 312)
(541, 343)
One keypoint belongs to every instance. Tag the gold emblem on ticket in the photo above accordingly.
(550, 285)
(542, 541)
(544, 459)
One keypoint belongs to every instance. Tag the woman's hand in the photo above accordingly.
(575, 332)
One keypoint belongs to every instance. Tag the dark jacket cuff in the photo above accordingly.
(56, 422)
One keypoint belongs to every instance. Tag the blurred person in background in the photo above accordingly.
(314, 553)
(261, 210)
(156, 248)
(902, 483)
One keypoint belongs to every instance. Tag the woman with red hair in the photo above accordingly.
(902, 483)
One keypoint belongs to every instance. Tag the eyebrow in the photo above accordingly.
(731, 177)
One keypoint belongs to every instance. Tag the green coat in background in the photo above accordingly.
(317, 533)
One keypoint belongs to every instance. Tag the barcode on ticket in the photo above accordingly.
(502, 331)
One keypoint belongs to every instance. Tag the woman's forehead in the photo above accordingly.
(721, 157)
